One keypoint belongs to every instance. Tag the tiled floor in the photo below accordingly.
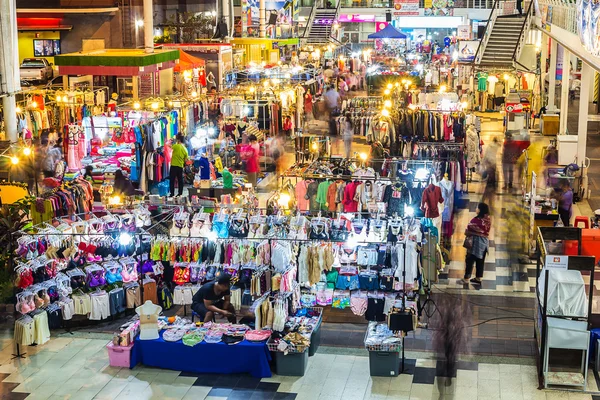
(67, 368)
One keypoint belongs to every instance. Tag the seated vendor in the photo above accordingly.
(214, 298)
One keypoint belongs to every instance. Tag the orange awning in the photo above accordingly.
(187, 61)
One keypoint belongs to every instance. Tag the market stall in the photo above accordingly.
(563, 309)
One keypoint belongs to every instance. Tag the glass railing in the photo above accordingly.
(389, 4)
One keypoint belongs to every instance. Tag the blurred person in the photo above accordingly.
(51, 155)
(477, 244)
(122, 185)
(251, 153)
(277, 149)
(489, 173)
(332, 102)
(450, 337)
(564, 195)
(308, 107)
(347, 135)
(510, 155)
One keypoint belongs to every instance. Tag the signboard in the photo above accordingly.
(532, 203)
(518, 107)
(356, 18)
(440, 8)
(467, 50)
(557, 262)
(246, 17)
(463, 32)
(380, 26)
(546, 17)
(406, 7)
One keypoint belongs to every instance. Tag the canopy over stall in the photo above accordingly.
(389, 32)
(187, 62)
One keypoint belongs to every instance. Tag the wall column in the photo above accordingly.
(587, 76)
(9, 66)
(564, 93)
(543, 69)
(148, 27)
(262, 23)
(552, 76)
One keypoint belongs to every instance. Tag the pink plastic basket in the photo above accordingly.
(119, 356)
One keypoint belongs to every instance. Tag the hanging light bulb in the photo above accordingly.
(387, 103)
(34, 104)
(155, 105)
(170, 104)
(390, 86)
(137, 105)
(58, 99)
(386, 92)
(14, 160)
(194, 94)
(385, 113)
(252, 89)
(27, 151)
(18, 110)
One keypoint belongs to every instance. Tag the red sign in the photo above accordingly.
(517, 107)
(379, 26)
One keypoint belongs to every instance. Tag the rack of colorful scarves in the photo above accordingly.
(82, 270)
(331, 259)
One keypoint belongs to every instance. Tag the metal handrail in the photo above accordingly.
(487, 34)
(526, 23)
(337, 12)
(311, 18)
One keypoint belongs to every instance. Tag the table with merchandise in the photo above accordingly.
(209, 348)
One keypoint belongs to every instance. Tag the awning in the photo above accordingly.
(187, 61)
(389, 32)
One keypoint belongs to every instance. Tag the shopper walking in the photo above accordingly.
(332, 102)
(489, 173)
(520, 7)
(178, 159)
(308, 107)
(477, 244)
(565, 202)
(347, 135)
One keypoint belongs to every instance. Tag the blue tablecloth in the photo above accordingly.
(218, 358)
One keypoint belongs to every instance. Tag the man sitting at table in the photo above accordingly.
(214, 298)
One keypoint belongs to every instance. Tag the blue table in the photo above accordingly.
(216, 358)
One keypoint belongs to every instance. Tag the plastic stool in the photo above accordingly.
(582, 219)
(195, 315)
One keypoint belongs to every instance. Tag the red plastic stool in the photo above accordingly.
(582, 219)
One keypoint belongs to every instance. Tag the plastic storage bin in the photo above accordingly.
(315, 340)
(119, 356)
(384, 363)
(292, 364)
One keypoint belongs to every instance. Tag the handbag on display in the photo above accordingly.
(399, 320)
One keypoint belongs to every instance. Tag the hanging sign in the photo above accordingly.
(463, 32)
(440, 8)
(556, 262)
(406, 7)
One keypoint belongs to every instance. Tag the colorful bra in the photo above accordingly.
(129, 276)
(112, 277)
(181, 275)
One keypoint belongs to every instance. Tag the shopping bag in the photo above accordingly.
(163, 188)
